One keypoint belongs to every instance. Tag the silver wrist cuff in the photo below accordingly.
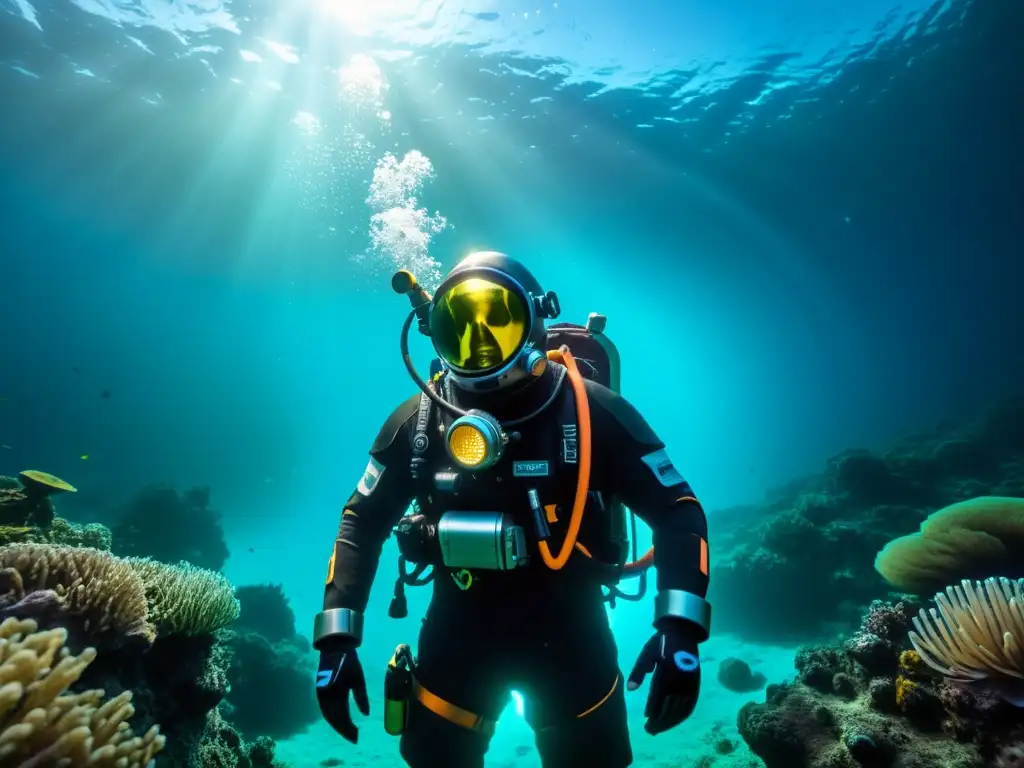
(338, 622)
(674, 603)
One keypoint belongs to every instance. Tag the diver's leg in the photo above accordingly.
(578, 703)
(460, 693)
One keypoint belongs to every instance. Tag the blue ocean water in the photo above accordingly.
(801, 219)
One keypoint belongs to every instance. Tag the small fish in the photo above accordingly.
(251, 549)
(75, 369)
(84, 457)
(6, 447)
(105, 394)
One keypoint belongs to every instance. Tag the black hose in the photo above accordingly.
(453, 409)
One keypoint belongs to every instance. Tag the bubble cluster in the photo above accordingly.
(400, 229)
(363, 85)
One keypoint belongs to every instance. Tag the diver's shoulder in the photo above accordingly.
(396, 424)
(610, 412)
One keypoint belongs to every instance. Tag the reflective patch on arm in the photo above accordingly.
(661, 465)
(371, 477)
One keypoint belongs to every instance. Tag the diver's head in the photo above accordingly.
(487, 323)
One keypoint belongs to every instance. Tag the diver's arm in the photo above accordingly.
(640, 473)
(379, 501)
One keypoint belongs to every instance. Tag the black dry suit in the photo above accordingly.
(537, 630)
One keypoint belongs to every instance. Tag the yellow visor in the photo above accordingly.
(478, 325)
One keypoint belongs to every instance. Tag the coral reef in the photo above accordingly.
(801, 564)
(60, 531)
(170, 527)
(29, 504)
(270, 669)
(870, 700)
(44, 725)
(105, 593)
(155, 627)
(124, 597)
(184, 599)
(222, 747)
(28, 515)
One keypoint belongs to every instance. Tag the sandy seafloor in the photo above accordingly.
(681, 748)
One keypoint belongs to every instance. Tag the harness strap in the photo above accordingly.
(599, 704)
(451, 712)
(420, 440)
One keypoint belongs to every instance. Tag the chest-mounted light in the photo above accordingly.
(476, 441)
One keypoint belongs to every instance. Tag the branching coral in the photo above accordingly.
(184, 599)
(46, 726)
(974, 634)
(70, 534)
(103, 590)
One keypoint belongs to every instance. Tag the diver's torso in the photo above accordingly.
(542, 457)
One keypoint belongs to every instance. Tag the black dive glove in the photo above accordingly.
(339, 674)
(673, 658)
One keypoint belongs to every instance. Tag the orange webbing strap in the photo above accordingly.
(604, 698)
(556, 563)
(641, 565)
(452, 713)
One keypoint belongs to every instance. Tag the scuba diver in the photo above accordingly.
(518, 458)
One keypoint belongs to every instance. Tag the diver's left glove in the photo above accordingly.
(338, 675)
(673, 658)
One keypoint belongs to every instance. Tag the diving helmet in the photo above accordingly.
(486, 322)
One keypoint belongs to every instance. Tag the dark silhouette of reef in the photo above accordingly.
(271, 667)
(802, 563)
(868, 700)
(170, 527)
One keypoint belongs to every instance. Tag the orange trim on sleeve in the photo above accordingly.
(703, 557)
(330, 567)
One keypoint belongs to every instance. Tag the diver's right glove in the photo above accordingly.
(339, 674)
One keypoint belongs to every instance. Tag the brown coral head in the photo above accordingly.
(39, 483)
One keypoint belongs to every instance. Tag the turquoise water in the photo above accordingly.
(797, 217)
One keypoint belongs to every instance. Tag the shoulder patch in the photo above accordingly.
(371, 476)
(661, 465)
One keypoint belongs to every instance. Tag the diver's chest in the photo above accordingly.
(544, 461)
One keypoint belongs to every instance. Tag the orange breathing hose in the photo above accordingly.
(565, 357)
